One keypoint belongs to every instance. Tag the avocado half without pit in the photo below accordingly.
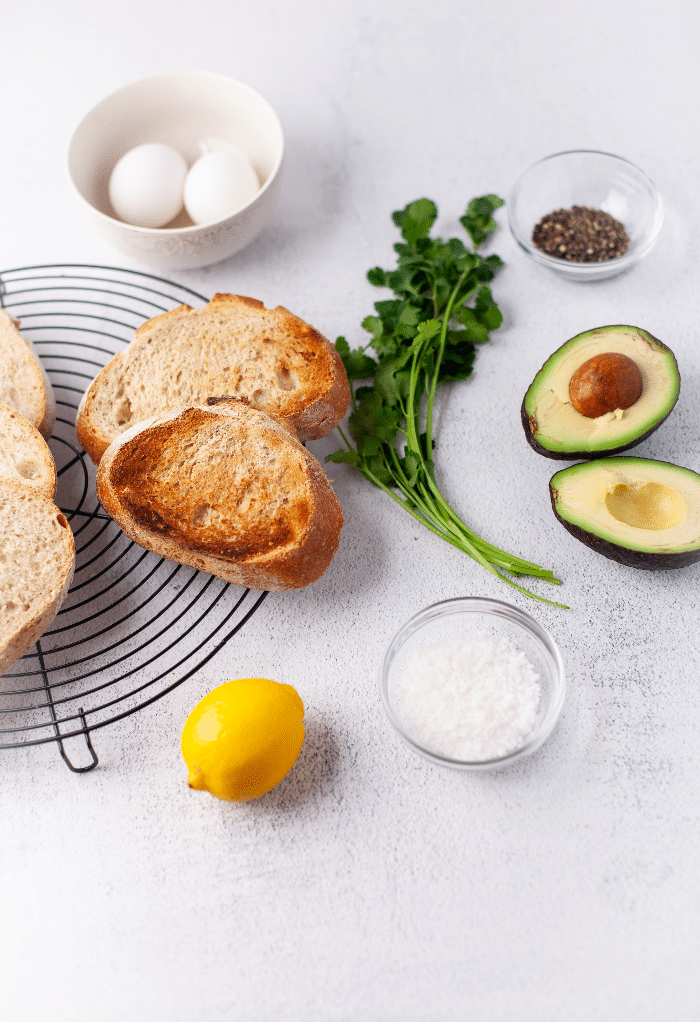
(601, 393)
(642, 513)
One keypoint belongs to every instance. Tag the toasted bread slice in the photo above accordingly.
(37, 559)
(226, 489)
(232, 347)
(24, 384)
(24, 454)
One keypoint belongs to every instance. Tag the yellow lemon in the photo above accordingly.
(243, 738)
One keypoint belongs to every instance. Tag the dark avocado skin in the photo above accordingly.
(582, 455)
(646, 560)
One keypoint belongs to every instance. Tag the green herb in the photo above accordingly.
(423, 337)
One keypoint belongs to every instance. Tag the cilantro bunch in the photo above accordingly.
(425, 336)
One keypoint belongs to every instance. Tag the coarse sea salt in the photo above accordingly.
(473, 698)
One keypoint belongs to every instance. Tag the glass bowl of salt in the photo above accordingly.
(472, 683)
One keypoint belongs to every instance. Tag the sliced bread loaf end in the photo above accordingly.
(24, 384)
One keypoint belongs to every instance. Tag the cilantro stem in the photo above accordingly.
(446, 317)
(455, 532)
(463, 543)
(412, 437)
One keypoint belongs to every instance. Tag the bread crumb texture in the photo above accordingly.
(21, 382)
(24, 454)
(37, 556)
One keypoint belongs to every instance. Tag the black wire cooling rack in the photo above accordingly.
(133, 626)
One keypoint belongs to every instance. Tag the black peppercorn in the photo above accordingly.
(581, 235)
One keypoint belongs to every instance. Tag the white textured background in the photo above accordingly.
(370, 885)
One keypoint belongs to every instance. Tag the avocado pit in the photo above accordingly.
(604, 383)
(599, 394)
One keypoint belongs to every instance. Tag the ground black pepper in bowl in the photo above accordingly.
(581, 235)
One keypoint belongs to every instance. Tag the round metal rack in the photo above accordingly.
(133, 626)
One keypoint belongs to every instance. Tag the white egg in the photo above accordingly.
(218, 184)
(146, 186)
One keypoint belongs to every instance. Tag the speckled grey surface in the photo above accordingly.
(371, 885)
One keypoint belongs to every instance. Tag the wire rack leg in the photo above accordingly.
(94, 760)
(59, 737)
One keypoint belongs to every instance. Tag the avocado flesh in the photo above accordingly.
(640, 512)
(555, 429)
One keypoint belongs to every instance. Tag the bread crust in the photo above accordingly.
(225, 489)
(232, 346)
(39, 562)
(24, 383)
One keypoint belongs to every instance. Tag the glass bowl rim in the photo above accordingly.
(496, 608)
(574, 269)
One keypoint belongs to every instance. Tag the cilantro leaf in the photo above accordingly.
(358, 365)
(373, 422)
(478, 220)
(416, 220)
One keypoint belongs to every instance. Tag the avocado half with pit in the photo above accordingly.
(602, 392)
(640, 512)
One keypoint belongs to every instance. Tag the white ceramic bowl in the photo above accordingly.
(584, 177)
(180, 110)
(462, 618)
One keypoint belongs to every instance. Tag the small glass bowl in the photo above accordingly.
(462, 617)
(584, 177)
